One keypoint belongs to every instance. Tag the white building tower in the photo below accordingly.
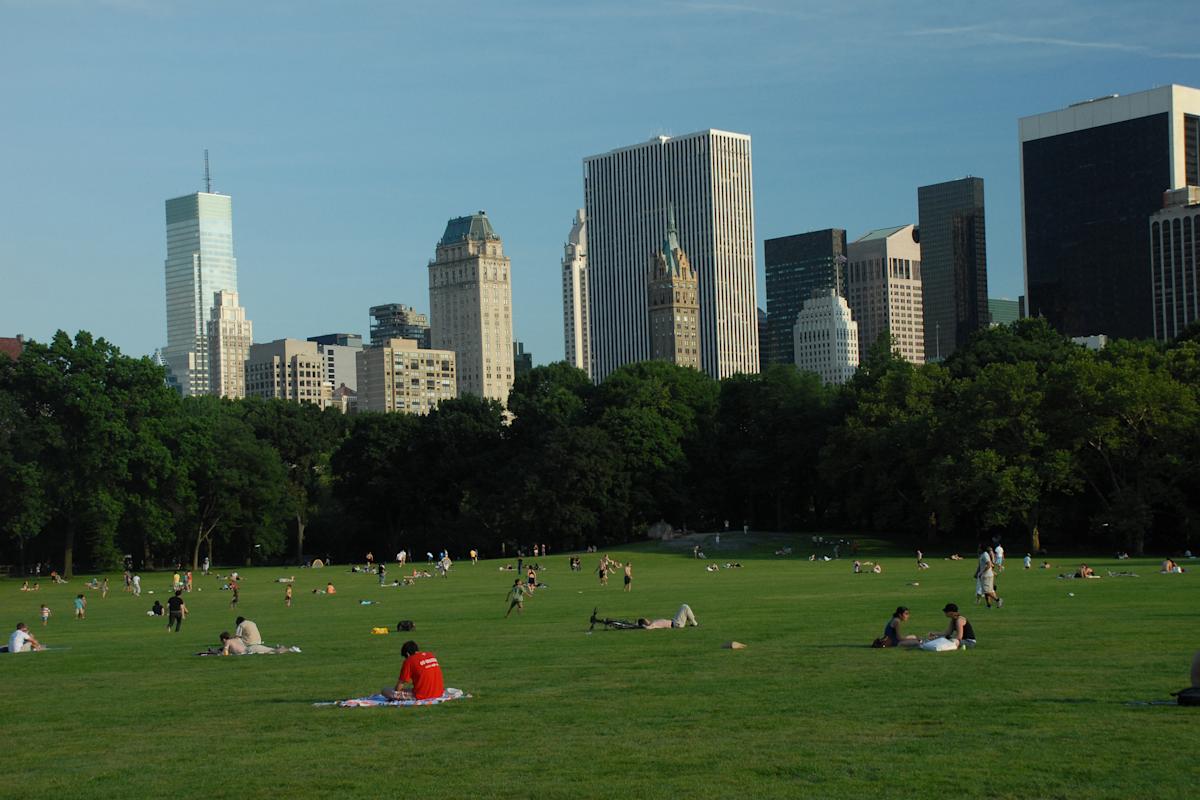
(707, 177)
(576, 342)
(826, 337)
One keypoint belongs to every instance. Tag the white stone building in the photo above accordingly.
(826, 337)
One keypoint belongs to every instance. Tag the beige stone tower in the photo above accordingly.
(674, 302)
(230, 335)
(470, 306)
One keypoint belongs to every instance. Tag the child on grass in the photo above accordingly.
(45, 615)
(80, 607)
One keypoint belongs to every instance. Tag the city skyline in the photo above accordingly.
(336, 175)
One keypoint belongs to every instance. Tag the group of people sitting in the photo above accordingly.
(958, 633)
(246, 641)
(875, 568)
(1169, 567)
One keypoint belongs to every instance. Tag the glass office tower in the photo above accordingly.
(953, 264)
(199, 264)
(798, 266)
(1091, 176)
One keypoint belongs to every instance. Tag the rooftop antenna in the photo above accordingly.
(207, 175)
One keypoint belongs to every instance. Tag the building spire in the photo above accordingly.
(207, 174)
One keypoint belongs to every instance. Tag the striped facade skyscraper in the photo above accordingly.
(707, 176)
(577, 347)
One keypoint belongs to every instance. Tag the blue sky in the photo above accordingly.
(348, 133)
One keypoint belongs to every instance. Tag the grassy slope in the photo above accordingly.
(807, 710)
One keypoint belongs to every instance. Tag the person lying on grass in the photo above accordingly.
(959, 630)
(234, 646)
(892, 637)
(683, 618)
(422, 671)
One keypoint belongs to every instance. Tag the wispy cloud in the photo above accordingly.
(987, 33)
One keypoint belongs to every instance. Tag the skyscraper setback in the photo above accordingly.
(707, 177)
(1091, 176)
(199, 264)
(953, 264)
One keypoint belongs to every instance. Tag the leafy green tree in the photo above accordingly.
(95, 417)
(305, 437)
(230, 486)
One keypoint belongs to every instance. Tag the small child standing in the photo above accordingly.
(45, 614)
(80, 607)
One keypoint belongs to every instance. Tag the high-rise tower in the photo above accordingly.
(199, 264)
(707, 177)
(576, 343)
(797, 266)
(674, 303)
(230, 335)
(1091, 176)
(883, 288)
(470, 306)
(953, 264)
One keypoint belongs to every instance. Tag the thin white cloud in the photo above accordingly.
(986, 33)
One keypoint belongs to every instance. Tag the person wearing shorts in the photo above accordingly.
(682, 619)
(516, 596)
(629, 576)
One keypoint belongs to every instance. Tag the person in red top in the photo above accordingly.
(422, 671)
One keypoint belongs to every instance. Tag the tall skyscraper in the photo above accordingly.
(470, 306)
(797, 266)
(1175, 262)
(1091, 176)
(827, 337)
(576, 343)
(199, 264)
(707, 177)
(673, 301)
(953, 264)
(230, 335)
(398, 321)
(883, 289)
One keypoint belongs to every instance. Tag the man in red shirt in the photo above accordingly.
(422, 671)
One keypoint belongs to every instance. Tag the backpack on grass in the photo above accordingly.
(405, 625)
(1188, 697)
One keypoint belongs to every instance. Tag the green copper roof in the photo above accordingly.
(880, 233)
(671, 241)
(475, 226)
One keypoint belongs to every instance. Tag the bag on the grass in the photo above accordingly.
(405, 625)
(1188, 697)
(880, 642)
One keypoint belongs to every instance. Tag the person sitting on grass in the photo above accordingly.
(234, 646)
(421, 669)
(959, 632)
(683, 618)
(891, 632)
(1085, 571)
(156, 610)
(22, 641)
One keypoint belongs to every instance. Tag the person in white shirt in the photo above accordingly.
(247, 631)
(985, 584)
(1000, 556)
(22, 641)
(137, 585)
(1028, 561)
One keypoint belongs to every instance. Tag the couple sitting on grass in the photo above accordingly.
(958, 633)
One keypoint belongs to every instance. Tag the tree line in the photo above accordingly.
(1022, 434)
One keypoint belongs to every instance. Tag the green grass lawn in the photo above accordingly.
(1039, 709)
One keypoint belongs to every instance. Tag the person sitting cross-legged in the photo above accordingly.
(422, 671)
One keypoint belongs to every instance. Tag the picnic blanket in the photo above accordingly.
(380, 700)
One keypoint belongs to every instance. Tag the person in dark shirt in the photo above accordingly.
(176, 610)
(891, 631)
(156, 609)
(959, 630)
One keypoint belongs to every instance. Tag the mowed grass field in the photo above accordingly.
(1039, 709)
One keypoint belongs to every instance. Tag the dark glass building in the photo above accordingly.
(953, 264)
(1092, 175)
(797, 266)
